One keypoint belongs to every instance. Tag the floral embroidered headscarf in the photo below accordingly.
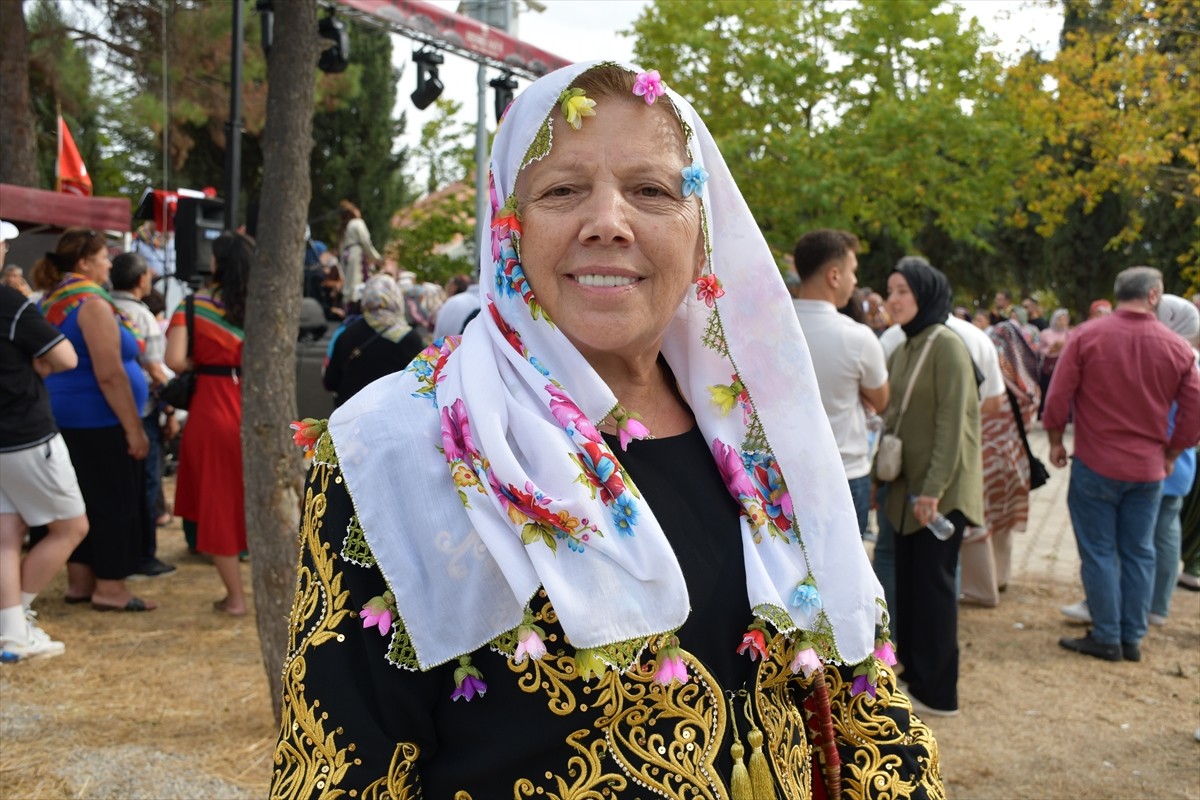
(478, 475)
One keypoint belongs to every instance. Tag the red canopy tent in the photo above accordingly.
(25, 208)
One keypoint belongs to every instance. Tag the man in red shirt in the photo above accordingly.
(1120, 374)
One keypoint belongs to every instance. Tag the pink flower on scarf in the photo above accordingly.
(885, 653)
(806, 660)
(567, 414)
(629, 430)
(729, 462)
(670, 667)
(529, 643)
(649, 86)
(378, 613)
(862, 683)
(456, 431)
(307, 431)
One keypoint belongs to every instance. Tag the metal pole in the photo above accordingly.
(233, 129)
(481, 161)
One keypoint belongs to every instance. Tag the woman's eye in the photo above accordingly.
(651, 191)
(559, 191)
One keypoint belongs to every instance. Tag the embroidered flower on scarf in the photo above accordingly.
(510, 335)
(468, 681)
(726, 397)
(531, 510)
(885, 652)
(507, 221)
(428, 364)
(806, 597)
(862, 684)
(378, 612)
(569, 415)
(629, 426)
(588, 663)
(307, 431)
(768, 483)
(624, 514)
(709, 289)
(694, 178)
(648, 85)
(733, 471)
(754, 642)
(600, 471)
(456, 432)
(530, 643)
(670, 665)
(575, 106)
(806, 660)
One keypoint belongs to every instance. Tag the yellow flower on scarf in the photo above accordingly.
(575, 106)
(727, 397)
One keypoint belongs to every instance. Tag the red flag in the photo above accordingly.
(72, 174)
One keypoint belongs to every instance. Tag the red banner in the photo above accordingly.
(426, 22)
(72, 174)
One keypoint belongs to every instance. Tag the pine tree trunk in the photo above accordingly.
(18, 143)
(274, 470)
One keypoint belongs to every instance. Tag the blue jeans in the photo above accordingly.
(1114, 530)
(860, 490)
(1168, 533)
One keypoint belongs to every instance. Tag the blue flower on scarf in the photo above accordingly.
(694, 178)
(624, 514)
(807, 598)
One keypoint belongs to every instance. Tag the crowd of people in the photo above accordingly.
(966, 452)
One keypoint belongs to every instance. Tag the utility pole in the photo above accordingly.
(233, 128)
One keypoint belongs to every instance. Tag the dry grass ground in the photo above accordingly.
(173, 703)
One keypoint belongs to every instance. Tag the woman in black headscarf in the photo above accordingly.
(942, 475)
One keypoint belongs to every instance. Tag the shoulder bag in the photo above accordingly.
(890, 458)
(1038, 474)
(179, 390)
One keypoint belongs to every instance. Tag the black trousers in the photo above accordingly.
(927, 614)
(114, 489)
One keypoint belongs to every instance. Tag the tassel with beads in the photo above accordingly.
(739, 783)
(760, 773)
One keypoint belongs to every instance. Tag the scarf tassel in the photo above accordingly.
(740, 787)
(760, 774)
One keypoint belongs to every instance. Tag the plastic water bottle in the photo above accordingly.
(940, 526)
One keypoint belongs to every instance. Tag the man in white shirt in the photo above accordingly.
(847, 357)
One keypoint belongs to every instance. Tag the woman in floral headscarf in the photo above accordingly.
(606, 637)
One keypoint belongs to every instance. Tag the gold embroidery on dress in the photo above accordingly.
(782, 722)
(308, 758)
(399, 783)
(591, 782)
(876, 768)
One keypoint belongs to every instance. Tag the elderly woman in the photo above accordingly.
(378, 343)
(97, 407)
(942, 475)
(611, 519)
(1049, 347)
(209, 493)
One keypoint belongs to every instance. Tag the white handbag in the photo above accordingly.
(889, 460)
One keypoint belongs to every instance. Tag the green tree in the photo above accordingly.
(355, 136)
(1116, 110)
(881, 118)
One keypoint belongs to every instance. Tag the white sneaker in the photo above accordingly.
(1157, 619)
(33, 647)
(1077, 611)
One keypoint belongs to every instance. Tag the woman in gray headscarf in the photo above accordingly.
(378, 343)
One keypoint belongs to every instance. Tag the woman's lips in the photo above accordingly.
(605, 281)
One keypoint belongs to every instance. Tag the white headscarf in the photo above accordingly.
(514, 406)
(383, 308)
(1181, 317)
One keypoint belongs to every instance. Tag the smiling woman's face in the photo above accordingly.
(610, 245)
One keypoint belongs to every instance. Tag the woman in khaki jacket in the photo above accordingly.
(942, 475)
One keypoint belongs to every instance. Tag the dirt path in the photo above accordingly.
(172, 704)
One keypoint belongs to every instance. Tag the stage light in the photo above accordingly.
(505, 85)
(429, 88)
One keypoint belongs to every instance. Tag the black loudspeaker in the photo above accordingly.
(198, 222)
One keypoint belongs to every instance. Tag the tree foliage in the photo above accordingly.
(883, 118)
(1117, 111)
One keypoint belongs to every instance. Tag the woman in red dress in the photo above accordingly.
(209, 492)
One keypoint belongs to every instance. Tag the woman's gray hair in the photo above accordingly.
(1136, 283)
(1181, 317)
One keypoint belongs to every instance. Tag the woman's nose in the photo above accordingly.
(607, 216)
